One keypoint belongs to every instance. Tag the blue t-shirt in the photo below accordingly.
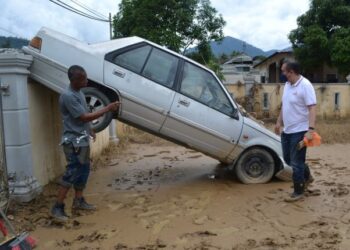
(72, 105)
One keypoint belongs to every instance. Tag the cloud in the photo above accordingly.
(25, 18)
(264, 24)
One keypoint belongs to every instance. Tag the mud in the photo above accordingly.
(169, 197)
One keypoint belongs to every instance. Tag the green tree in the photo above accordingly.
(205, 56)
(223, 58)
(323, 35)
(176, 24)
(6, 43)
(235, 53)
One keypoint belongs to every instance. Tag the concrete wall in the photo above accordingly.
(45, 126)
(325, 93)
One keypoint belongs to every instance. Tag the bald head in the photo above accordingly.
(77, 77)
(74, 71)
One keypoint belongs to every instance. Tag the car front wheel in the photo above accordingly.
(254, 166)
(95, 101)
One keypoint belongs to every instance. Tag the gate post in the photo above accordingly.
(4, 192)
(14, 73)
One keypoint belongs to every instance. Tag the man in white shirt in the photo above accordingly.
(297, 116)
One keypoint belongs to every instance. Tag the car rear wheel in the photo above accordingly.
(256, 165)
(95, 101)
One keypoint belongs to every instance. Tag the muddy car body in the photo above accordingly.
(164, 93)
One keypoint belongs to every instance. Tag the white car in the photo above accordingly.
(164, 93)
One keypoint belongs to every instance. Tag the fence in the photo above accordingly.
(333, 100)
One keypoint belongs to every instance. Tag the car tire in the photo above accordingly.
(255, 166)
(96, 100)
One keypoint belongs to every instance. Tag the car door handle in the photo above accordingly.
(184, 102)
(119, 73)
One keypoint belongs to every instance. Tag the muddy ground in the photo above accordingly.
(162, 196)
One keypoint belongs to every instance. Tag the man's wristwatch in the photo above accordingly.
(311, 128)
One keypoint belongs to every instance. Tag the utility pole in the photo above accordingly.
(110, 26)
(112, 126)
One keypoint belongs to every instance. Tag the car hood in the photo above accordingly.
(261, 128)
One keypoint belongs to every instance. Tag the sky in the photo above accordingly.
(262, 23)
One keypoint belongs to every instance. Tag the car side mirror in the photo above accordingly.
(234, 114)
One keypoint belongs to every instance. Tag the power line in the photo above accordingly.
(70, 8)
(89, 9)
(9, 32)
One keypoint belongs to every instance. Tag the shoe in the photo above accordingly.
(298, 193)
(81, 204)
(294, 197)
(57, 212)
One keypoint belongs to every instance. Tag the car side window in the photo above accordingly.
(133, 59)
(203, 87)
(161, 67)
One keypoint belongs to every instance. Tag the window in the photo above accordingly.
(161, 67)
(133, 59)
(336, 101)
(203, 87)
(266, 101)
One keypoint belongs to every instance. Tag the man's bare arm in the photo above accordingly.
(312, 116)
(88, 117)
(279, 123)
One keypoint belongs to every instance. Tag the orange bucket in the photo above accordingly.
(315, 141)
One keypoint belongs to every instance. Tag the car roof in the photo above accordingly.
(102, 48)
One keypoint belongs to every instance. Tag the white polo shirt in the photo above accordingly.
(295, 101)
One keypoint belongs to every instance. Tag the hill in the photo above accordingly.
(229, 44)
(13, 42)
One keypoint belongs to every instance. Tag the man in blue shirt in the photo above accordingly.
(75, 141)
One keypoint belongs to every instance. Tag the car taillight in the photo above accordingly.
(36, 43)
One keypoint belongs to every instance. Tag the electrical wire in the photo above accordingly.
(70, 8)
(9, 31)
(89, 9)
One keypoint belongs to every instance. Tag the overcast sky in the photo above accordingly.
(262, 23)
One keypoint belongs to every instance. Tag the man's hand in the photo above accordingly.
(88, 117)
(278, 128)
(309, 134)
(113, 106)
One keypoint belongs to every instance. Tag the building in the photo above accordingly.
(270, 70)
(270, 67)
(240, 69)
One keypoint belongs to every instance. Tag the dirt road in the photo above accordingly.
(169, 197)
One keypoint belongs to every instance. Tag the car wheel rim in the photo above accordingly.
(254, 167)
(94, 104)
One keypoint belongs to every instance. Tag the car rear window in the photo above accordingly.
(133, 59)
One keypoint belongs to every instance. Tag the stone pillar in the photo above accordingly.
(4, 192)
(18, 147)
(113, 132)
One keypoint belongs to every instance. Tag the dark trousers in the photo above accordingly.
(78, 167)
(295, 157)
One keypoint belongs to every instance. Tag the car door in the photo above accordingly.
(144, 76)
(202, 115)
